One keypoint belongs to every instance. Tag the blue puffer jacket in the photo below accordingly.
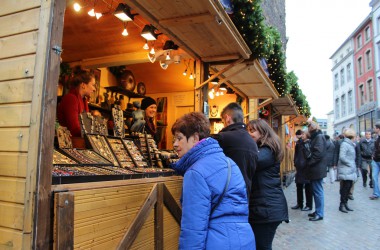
(205, 172)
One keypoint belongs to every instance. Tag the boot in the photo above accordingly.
(342, 208)
(347, 207)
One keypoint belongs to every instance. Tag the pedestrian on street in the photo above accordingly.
(316, 169)
(300, 154)
(376, 165)
(347, 168)
(237, 143)
(366, 150)
(267, 206)
(330, 151)
(214, 198)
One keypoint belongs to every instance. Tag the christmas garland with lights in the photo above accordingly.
(297, 95)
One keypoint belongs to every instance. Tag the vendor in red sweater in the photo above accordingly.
(75, 102)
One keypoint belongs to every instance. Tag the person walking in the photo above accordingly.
(237, 143)
(300, 180)
(267, 206)
(214, 198)
(346, 168)
(366, 149)
(316, 169)
(376, 165)
(330, 151)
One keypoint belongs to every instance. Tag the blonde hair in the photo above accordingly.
(313, 126)
(349, 133)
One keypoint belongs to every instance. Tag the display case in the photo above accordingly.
(121, 152)
(100, 145)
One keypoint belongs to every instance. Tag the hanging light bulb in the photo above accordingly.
(217, 93)
(211, 94)
(125, 31)
(152, 51)
(221, 93)
(91, 12)
(191, 77)
(167, 57)
(185, 72)
(77, 7)
(146, 46)
(98, 15)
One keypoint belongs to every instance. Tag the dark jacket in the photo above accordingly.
(300, 153)
(241, 148)
(205, 172)
(366, 150)
(316, 165)
(376, 154)
(336, 152)
(267, 201)
(330, 151)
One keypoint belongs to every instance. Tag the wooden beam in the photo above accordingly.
(64, 220)
(187, 20)
(136, 225)
(159, 219)
(172, 205)
(261, 105)
(221, 72)
(220, 58)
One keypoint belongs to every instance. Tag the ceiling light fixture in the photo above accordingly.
(146, 46)
(152, 51)
(123, 12)
(167, 56)
(77, 7)
(170, 45)
(125, 31)
(223, 87)
(149, 33)
(91, 12)
(98, 15)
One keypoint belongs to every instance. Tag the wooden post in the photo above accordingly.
(172, 205)
(64, 224)
(159, 218)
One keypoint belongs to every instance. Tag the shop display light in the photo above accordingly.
(167, 56)
(149, 33)
(91, 12)
(223, 87)
(146, 46)
(123, 12)
(152, 51)
(77, 7)
(125, 31)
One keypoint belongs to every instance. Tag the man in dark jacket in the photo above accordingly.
(237, 143)
(316, 169)
(330, 151)
(376, 165)
(366, 148)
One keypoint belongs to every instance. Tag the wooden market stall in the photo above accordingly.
(138, 213)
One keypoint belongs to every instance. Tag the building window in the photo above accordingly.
(350, 102)
(361, 94)
(337, 109)
(370, 90)
(336, 81)
(349, 75)
(359, 42)
(367, 34)
(368, 59)
(343, 105)
(342, 77)
(360, 66)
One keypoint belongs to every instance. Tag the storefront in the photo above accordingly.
(138, 213)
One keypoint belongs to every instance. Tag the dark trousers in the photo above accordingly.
(366, 164)
(308, 194)
(264, 234)
(345, 190)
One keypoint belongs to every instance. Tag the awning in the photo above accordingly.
(200, 27)
(248, 78)
(285, 106)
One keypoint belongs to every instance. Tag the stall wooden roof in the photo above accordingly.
(249, 78)
(285, 106)
(201, 27)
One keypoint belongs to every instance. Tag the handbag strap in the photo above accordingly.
(225, 187)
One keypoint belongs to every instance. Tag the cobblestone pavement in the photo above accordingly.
(359, 229)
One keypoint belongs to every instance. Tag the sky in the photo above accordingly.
(315, 30)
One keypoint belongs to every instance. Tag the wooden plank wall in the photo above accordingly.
(22, 69)
(103, 215)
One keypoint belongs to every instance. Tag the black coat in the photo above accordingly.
(300, 162)
(366, 150)
(241, 148)
(336, 152)
(316, 164)
(267, 201)
(330, 151)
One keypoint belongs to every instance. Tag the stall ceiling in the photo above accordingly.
(285, 106)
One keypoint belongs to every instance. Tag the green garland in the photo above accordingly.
(297, 95)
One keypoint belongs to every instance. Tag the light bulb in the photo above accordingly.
(221, 93)
(91, 12)
(185, 72)
(98, 15)
(77, 7)
(217, 93)
(146, 46)
(211, 94)
(125, 32)
(167, 57)
(152, 51)
(191, 77)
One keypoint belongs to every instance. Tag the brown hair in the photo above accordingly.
(268, 137)
(80, 75)
(313, 126)
(191, 123)
(349, 133)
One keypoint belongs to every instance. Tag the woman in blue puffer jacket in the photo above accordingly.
(214, 198)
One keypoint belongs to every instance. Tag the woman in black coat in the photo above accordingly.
(316, 169)
(267, 206)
